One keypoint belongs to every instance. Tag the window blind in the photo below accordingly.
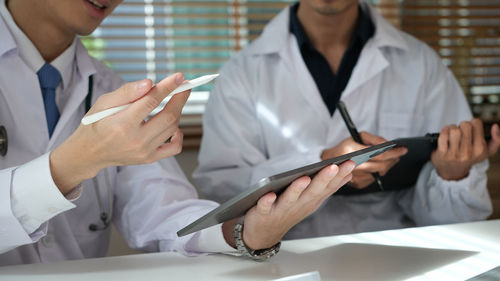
(155, 38)
(466, 34)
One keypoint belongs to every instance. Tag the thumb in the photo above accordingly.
(370, 139)
(127, 93)
(495, 140)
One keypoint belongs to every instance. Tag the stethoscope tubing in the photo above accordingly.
(4, 141)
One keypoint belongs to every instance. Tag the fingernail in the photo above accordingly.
(351, 166)
(179, 78)
(141, 85)
(332, 171)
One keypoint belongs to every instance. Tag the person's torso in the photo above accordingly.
(385, 96)
(22, 114)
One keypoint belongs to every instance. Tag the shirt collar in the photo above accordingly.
(29, 53)
(363, 32)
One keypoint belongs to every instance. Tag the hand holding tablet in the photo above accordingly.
(241, 203)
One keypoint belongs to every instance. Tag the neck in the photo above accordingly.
(318, 26)
(31, 19)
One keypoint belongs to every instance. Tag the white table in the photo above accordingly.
(448, 252)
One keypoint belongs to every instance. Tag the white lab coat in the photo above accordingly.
(151, 202)
(266, 115)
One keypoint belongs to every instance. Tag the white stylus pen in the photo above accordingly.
(184, 87)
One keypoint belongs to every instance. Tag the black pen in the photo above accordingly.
(355, 135)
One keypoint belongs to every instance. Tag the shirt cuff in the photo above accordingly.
(211, 240)
(476, 171)
(35, 197)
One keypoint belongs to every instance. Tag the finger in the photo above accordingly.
(478, 140)
(350, 146)
(320, 181)
(265, 204)
(169, 116)
(345, 180)
(293, 192)
(164, 137)
(392, 154)
(345, 169)
(335, 185)
(361, 180)
(370, 139)
(171, 148)
(465, 149)
(127, 93)
(444, 136)
(345, 146)
(495, 140)
(454, 141)
(375, 167)
(176, 103)
(389, 167)
(140, 109)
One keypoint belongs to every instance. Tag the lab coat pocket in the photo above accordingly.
(397, 125)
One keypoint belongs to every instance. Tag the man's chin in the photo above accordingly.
(86, 30)
(327, 11)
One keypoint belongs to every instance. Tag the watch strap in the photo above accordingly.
(257, 255)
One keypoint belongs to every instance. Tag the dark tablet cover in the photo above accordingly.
(405, 173)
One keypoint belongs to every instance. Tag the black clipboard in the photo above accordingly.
(241, 203)
(405, 173)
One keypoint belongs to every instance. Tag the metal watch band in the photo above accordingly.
(257, 255)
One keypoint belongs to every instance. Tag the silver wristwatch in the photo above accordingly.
(256, 255)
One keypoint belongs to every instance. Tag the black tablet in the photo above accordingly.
(241, 203)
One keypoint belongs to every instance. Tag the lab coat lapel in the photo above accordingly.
(277, 39)
(77, 91)
(306, 84)
(21, 91)
(370, 63)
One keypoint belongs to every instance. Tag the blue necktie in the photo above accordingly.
(49, 78)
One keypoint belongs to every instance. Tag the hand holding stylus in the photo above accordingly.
(368, 172)
(123, 138)
(355, 135)
(187, 85)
